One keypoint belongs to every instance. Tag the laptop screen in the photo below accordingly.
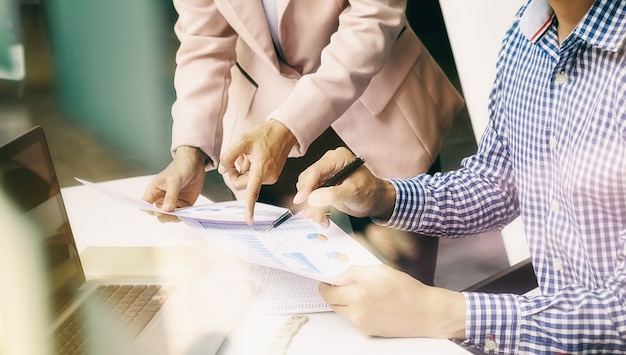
(28, 179)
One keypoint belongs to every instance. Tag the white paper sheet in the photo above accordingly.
(287, 262)
(298, 245)
(229, 211)
(282, 292)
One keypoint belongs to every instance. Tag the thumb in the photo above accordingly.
(171, 197)
(348, 277)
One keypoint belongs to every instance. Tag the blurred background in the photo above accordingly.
(98, 76)
(99, 73)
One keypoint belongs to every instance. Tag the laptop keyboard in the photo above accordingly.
(133, 306)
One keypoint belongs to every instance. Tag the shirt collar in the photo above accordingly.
(604, 25)
(536, 19)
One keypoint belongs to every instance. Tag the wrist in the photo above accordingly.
(193, 155)
(386, 201)
(450, 313)
(285, 133)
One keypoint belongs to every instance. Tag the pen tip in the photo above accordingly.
(269, 228)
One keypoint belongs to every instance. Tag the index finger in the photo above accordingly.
(255, 179)
(152, 193)
(339, 292)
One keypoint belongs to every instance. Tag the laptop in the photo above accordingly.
(126, 316)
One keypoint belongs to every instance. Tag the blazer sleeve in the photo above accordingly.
(357, 51)
(202, 76)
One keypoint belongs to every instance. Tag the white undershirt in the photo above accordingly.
(271, 14)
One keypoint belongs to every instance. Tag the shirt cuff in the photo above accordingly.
(493, 322)
(408, 206)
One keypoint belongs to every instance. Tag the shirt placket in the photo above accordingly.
(556, 218)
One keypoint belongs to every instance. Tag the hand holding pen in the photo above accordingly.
(362, 194)
(337, 178)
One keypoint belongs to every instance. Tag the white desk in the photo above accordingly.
(98, 221)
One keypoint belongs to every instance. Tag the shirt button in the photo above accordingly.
(554, 205)
(560, 78)
(553, 142)
(490, 344)
(557, 265)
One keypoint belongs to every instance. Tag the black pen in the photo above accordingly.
(334, 180)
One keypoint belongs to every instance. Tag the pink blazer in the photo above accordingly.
(354, 65)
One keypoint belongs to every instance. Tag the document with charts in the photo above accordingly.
(298, 246)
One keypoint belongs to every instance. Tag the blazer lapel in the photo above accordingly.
(248, 19)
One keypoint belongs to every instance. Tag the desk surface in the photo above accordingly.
(99, 221)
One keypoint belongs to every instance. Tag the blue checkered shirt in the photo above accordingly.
(554, 152)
